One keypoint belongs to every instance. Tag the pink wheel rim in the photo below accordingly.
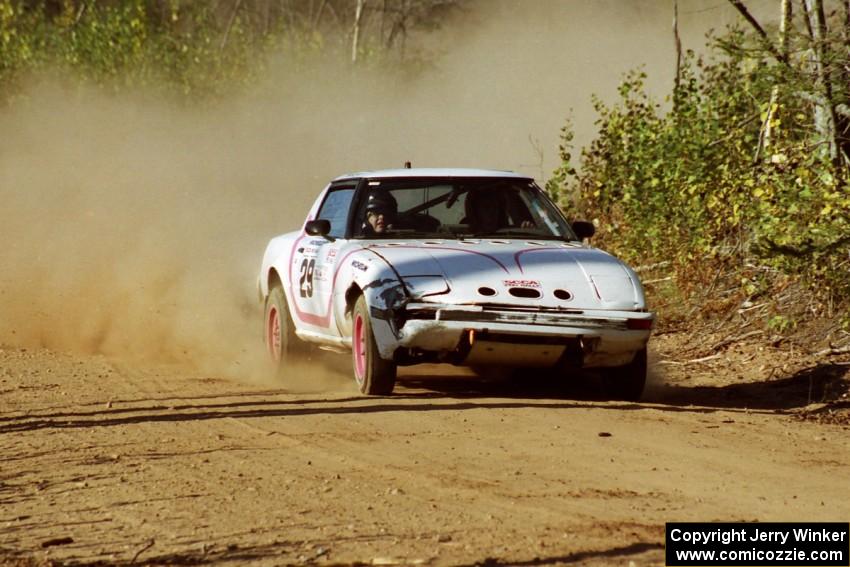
(359, 347)
(273, 331)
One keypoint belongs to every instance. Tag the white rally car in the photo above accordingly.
(468, 267)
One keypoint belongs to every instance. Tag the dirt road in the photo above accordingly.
(129, 463)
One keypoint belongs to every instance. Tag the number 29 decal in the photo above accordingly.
(306, 281)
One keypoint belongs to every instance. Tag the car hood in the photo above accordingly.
(512, 272)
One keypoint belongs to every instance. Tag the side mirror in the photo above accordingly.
(584, 229)
(318, 227)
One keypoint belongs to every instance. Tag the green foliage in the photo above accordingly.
(194, 48)
(689, 182)
(123, 45)
(561, 176)
(780, 324)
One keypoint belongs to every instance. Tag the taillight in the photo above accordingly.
(638, 324)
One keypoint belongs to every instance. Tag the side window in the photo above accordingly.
(335, 209)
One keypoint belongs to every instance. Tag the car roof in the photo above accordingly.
(431, 172)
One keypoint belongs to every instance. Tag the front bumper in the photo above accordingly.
(477, 334)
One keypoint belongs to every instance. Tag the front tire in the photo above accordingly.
(282, 344)
(374, 375)
(627, 382)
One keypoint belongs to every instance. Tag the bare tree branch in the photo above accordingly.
(766, 131)
(678, 42)
(807, 20)
(739, 5)
(358, 14)
(825, 118)
(318, 15)
(236, 6)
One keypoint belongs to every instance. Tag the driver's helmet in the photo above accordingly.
(380, 202)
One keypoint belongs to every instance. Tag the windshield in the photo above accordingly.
(458, 208)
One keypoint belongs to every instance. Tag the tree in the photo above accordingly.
(679, 183)
(818, 73)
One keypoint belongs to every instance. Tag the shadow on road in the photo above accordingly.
(820, 383)
(286, 552)
(146, 556)
(458, 393)
(610, 554)
(811, 385)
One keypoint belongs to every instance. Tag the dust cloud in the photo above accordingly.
(133, 226)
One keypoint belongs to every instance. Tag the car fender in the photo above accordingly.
(276, 257)
(367, 273)
(637, 285)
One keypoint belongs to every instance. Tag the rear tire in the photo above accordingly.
(374, 375)
(627, 382)
(282, 344)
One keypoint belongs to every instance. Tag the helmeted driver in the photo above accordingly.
(381, 211)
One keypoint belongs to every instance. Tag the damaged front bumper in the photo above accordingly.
(472, 335)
